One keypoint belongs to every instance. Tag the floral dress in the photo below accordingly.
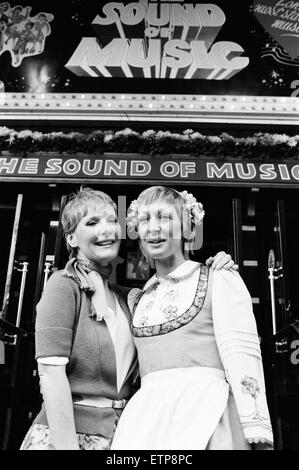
(39, 438)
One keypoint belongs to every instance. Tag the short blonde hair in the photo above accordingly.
(77, 208)
(170, 196)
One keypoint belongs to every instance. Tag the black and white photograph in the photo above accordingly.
(149, 211)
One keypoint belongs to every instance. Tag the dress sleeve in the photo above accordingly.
(55, 318)
(239, 348)
(133, 295)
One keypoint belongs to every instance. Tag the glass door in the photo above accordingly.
(277, 224)
(266, 229)
(30, 240)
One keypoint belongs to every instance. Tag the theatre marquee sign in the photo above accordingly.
(171, 39)
(148, 169)
(245, 48)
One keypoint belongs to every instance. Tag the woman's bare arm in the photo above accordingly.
(57, 396)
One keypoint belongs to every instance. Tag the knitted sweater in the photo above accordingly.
(64, 328)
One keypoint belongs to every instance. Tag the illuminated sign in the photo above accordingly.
(153, 170)
(247, 48)
(170, 39)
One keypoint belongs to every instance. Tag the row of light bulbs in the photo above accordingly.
(217, 98)
(248, 108)
(210, 103)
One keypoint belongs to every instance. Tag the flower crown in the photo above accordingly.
(192, 206)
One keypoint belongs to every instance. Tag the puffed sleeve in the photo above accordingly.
(239, 349)
(55, 317)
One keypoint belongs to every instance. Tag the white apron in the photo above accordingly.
(174, 409)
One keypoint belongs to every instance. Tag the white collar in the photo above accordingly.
(187, 267)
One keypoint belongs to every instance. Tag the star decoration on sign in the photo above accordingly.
(274, 79)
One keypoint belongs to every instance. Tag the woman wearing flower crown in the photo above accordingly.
(84, 348)
(202, 382)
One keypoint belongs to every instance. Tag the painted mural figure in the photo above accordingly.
(3, 23)
(17, 15)
(21, 34)
(43, 29)
(14, 20)
(4, 9)
(24, 39)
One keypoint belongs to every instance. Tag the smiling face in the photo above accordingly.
(97, 235)
(160, 232)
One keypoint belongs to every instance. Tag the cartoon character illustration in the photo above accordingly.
(4, 7)
(17, 15)
(3, 23)
(21, 46)
(42, 28)
(11, 33)
(21, 34)
(4, 11)
(14, 23)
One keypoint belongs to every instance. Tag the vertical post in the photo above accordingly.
(38, 283)
(282, 240)
(47, 271)
(12, 252)
(2, 353)
(271, 267)
(59, 235)
(21, 295)
(237, 231)
(276, 371)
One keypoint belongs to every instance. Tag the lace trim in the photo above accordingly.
(184, 318)
(259, 440)
(154, 282)
(180, 278)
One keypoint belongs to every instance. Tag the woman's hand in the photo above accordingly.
(221, 261)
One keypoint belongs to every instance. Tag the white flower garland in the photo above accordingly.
(150, 141)
(193, 207)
